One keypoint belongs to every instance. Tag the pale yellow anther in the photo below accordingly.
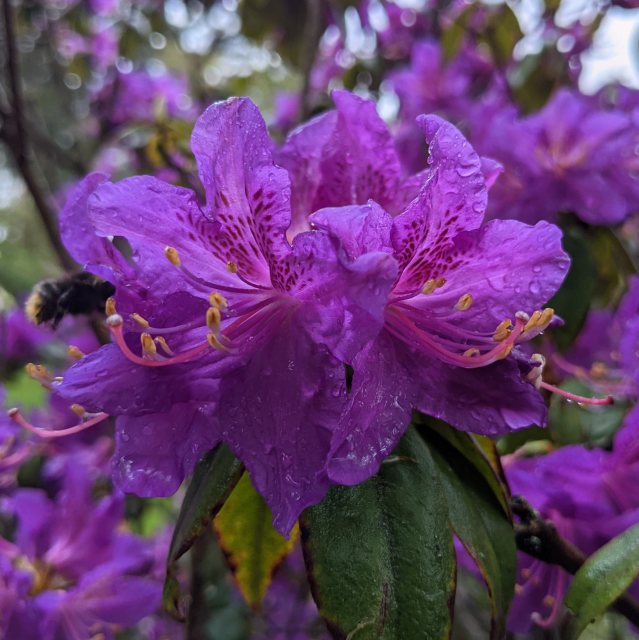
(75, 353)
(172, 256)
(231, 266)
(518, 589)
(164, 345)
(429, 287)
(214, 342)
(534, 321)
(469, 353)
(526, 573)
(148, 346)
(78, 409)
(535, 374)
(598, 370)
(39, 372)
(503, 330)
(432, 284)
(549, 600)
(546, 317)
(109, 307)
(140, 320)
(218, 301)
(213, 319)
(463, 304)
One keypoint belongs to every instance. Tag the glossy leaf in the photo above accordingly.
(212, 482)
(380, 554)
(475, 453)
(601, 580)
(252, 547)
(478, 518)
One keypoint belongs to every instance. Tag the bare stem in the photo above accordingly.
(15, 135)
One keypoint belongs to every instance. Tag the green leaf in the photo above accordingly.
(475, 451)
(477, 515)
(380, 554)
(252, 547)
(601, 580)
(212, 482)
(574, 424)
(572, 301)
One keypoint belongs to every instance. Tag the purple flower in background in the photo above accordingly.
(133, 97)
(590, 496)
(288, 611)
(72, 573)
(20, 339)
(256, 329)
(570, 156)
(605, 355)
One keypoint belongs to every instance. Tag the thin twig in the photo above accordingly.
(15, 135)
(313, 29)
(540, 539)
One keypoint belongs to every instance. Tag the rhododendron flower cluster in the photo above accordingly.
(248, 342)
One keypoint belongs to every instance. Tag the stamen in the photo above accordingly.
(463, 304)
(598, 370)
(533, 322)
(519, 589)
(469, 353)
(231, 266)
(115, 325)
(17, 417)
(75, 353)
(109, 307)
(148, 346)
(172, 256)
(432, 284)
(40, 373)
(218, 301)
(79, 410)
(548, 600)
(140, 320)
(576, 398)
(503, 330)
(213, 319)
(214, 342)
(164, 345)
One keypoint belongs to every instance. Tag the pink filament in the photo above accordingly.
(468, 362)
(575, 398)
(17, 417)
(16, 458)
(118, 337)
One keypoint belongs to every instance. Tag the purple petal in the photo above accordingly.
(78, 232)
(106, 381)
(343, 300)
(359, 161)
(277, 415)
(151, 215)
(154, 452)
(302, 155)
(246, 193)
(452, 200)
(506, 267)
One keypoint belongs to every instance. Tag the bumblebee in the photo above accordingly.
(78, 294)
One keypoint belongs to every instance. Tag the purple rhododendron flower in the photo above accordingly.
(570, 156)
(132, 97)
(69, 572)
(267, 303)
(605, 355)
(590, 496)
(281, 320)
(460, 284)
